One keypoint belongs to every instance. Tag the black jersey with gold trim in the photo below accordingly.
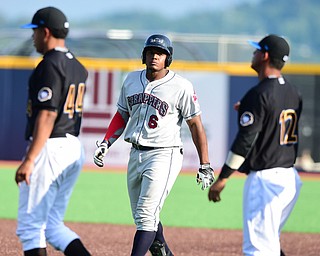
(57, 84)
(268, 125)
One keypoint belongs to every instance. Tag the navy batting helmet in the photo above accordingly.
(158, 41)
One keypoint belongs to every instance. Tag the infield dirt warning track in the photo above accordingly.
(116, 240)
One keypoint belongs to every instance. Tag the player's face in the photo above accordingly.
(257, 59)
(155, 59)
(38, 39)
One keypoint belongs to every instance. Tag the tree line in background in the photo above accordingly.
(297, 20)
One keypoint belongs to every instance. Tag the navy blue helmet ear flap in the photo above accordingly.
(169, 58)
(158, 41)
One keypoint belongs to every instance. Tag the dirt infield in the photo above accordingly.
(116, 240)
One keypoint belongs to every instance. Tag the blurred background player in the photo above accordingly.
(152, 105)
(266, 149)
(54, 157)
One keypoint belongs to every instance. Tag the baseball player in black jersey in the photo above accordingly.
(265, 148)
(54, 157)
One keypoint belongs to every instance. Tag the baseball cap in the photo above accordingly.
(49, 17)
(276, 46)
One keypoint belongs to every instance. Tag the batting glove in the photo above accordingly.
(100, 153)
(205, 176)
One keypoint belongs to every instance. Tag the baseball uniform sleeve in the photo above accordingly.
(189, 104)
(250, 121)
(48, 85)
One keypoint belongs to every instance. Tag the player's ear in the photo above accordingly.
(46, 32)
(265, 56)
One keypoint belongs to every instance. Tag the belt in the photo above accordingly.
(139, 147)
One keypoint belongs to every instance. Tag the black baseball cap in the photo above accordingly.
(276, 46)
(49, 17)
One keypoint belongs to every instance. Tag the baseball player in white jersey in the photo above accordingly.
(55, 156)
(152, 105)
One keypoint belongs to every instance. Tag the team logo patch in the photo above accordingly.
(44, 94)
(246, 119)
(195, 98)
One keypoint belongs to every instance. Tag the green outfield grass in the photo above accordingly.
(102, 197)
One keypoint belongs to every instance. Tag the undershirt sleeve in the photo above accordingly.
(116, 126)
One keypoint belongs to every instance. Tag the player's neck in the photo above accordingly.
(156, 75)
(269, 72)
(55, 43)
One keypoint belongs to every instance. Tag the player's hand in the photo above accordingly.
(215, 190)
(100, 153)
(236, 106)
(205, 176)
(24, 171)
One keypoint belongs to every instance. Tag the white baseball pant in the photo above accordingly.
(151, 175)
(268, 199)
(43, 203)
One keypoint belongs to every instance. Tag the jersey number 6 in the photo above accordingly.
(153, 121)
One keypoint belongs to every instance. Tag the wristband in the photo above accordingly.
(204, 166)
(107, 142)
(234, 161)
(226, 171)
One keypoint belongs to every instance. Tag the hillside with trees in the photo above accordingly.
(297, 20)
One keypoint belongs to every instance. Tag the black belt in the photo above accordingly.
(139, 147)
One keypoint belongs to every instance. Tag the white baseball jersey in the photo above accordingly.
(157, 108)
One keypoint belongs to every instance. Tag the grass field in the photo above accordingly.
(101, 197)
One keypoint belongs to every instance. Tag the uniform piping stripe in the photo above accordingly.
(165, 188)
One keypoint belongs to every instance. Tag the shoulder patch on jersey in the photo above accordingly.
(246, 119)
(195, 98)
(44, 94)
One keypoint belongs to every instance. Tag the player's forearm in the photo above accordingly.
(199, 139)
(42, 131)
(240, 149)
(116, 127)
(233, 163)
(202, 148)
